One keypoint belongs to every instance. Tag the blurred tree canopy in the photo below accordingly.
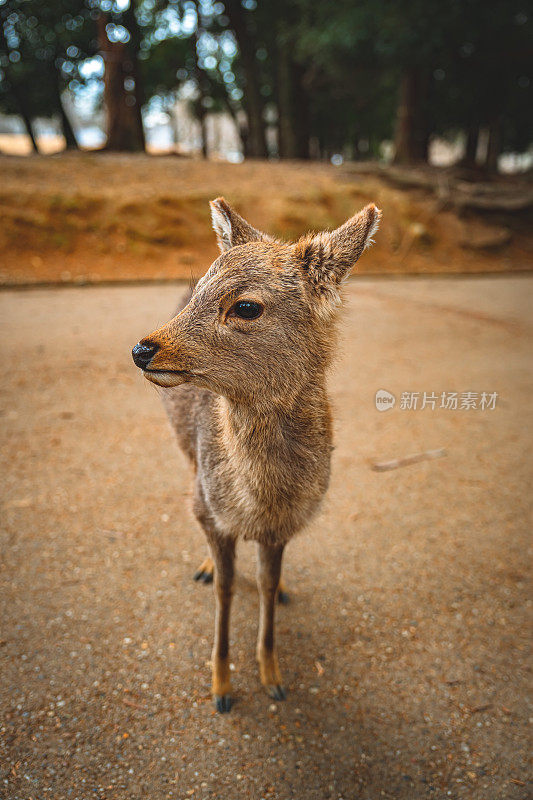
(40, 45)
(300, 79)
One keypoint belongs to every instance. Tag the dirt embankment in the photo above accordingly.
(100, 217)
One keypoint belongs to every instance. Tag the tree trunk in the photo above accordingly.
(29, 131)
(472, 140)
(412, 127)
(124, 126)
(301, 112)
(286, 134)
(202, 118)
(494, 145)
(293, 111)
(20, 100)
(133, 48)
(68, 132)
(252, 101)
(202, 84)
(71, 143)
(314, 148)
(174, 127)
(17, 91)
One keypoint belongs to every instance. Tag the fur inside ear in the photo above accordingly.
(230, 228)
(327, 258)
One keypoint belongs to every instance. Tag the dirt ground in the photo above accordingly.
(404, 648)
(100, 217)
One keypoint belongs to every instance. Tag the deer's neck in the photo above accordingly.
(280, 429)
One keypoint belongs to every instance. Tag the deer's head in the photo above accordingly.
(260, 323)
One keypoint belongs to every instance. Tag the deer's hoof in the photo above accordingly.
(223, 703)
(204, 572)
(276, 692)
(283, 597)
(204, 577)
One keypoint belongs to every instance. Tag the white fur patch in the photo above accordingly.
(165, 379)
(221, 226)
(373, 229)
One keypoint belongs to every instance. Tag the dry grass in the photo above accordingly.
(91, 217)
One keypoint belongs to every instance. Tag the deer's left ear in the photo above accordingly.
(231, 229)
(327, 258)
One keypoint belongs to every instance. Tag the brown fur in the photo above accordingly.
(253, 414)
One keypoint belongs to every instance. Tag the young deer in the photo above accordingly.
(250, 348)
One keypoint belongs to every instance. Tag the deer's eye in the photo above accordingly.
(247, 309)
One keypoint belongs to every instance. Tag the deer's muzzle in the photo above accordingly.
(143, 352)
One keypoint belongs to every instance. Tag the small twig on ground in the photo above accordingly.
(111, 534)
(477, 709)
(427, 455)
(132, 704)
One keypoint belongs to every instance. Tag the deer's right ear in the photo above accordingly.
(231, 229)
(326, 258)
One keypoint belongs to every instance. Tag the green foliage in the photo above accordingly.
(41, 44)
(477, 57)
(325, 73)
(485, 72)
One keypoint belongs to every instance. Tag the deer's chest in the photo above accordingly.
(265, 493)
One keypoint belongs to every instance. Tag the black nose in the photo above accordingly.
(143, 353)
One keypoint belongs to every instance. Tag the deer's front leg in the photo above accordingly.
(223, 551)
(268, 576)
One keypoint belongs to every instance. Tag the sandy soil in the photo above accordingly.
(404, 648)
(95, 217)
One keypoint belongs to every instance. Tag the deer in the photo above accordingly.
(242, 366)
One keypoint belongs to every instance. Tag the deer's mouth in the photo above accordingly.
(167, 377)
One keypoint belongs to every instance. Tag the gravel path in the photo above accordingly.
(404, 648)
